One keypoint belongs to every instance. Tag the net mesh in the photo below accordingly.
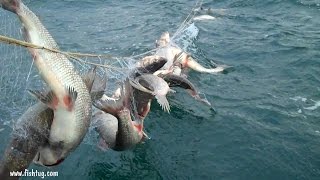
(18, 73)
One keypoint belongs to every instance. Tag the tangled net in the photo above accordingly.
(18, 73)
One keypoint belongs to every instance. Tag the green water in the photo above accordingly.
(267, 120)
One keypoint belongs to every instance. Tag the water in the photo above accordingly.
(267, 121)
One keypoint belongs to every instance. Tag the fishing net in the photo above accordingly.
(18, 73)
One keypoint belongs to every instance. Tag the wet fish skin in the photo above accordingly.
(150, 64)
(30, 132)
(129, 132)
(60, 75)
(142, 102)
(96, 85)
(177, 57)
(155, 86)
(107, 127)
(179, 81)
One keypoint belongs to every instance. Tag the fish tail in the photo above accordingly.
(203, 100)
(10, 5)
(197, 97)
(191, 63)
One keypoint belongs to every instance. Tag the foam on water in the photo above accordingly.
(314, 107)
(186, 37)
(259, 132)
(297, 98)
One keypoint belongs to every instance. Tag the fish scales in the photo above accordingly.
(63, 70)
(73, 111)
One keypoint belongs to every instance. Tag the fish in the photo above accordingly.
(155, 86)
(96, 85)
(150, 64)
(142, 103)
(30, 132)
(130, 131)
(142, 95)
(179, 81)
(210, 11)
(106, 126)
(177, 58)
(203, 17)
(70, 99)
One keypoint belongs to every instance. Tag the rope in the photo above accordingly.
(75, 56)
(72, 55)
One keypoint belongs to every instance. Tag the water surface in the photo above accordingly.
(267, 120)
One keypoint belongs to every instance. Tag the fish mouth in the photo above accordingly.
(38, 162)
(136, 84)
(54, 164)
(37, 158)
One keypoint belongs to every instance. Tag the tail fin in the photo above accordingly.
(89, 78)
(198, 67)
(10, 5)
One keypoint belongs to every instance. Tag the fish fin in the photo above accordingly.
(96, 95)
(217, 69)
(89, 77)
(196, 96)
(178, 57)
(102, 82)
(163, 101)
(102, 145)
(145, 135)
(172, 91)
(71, 97)
(193, 64)
(99, 87)
(47, 98)
(72, 93)
(110, 106)
(205, 101)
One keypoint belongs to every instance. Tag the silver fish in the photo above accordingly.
(129, 132)
(177, 57)
(155, 86)
(30, 133)
(70, 98)
(179, 81)
(107, 127)
(150, 64)
(96, 85)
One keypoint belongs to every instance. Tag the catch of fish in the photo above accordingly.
(55, 126)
